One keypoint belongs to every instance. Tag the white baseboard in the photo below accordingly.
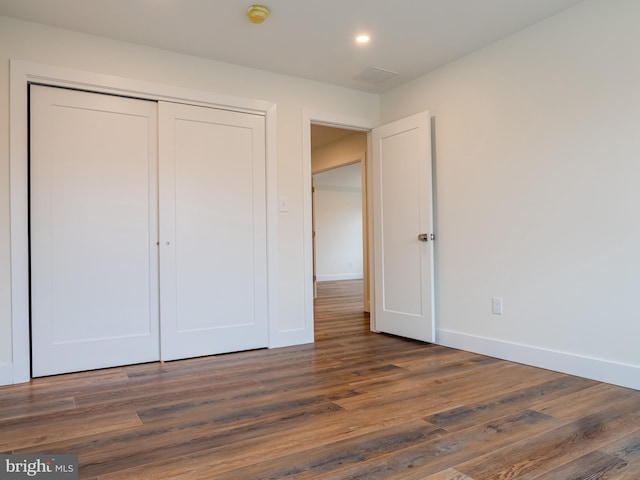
(596, 369)
(338, 276)
(6, 374)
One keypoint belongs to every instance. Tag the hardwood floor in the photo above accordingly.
(354, 405)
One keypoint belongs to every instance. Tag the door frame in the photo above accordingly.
(21, 75)
(337, 121)
(360, 158)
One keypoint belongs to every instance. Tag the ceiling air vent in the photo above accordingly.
(375, 75)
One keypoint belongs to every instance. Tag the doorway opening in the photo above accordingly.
(339, 209)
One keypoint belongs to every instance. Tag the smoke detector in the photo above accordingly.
(257, 13)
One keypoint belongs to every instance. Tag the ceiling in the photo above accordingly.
(312, 39)
(322, 135)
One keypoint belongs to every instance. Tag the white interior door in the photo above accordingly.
(402, 211)
(93, 221)
(213, 278)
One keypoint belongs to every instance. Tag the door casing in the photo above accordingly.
(337, 121)
(24, 73)
(351, 123)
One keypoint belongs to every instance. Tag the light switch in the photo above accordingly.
(496, 305)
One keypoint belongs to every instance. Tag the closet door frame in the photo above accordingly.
(24, 73)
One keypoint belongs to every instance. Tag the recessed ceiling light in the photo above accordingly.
(363, 38)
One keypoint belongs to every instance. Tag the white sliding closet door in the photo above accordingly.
(94, 284)
(213, 280)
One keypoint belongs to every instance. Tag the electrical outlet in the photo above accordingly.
(496, 305)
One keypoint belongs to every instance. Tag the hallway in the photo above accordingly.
(339, 310)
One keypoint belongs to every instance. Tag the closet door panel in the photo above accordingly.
(93, 209)
(213, 231)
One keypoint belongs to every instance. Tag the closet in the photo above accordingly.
(147, 230)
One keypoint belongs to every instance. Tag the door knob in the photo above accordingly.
(423, 237)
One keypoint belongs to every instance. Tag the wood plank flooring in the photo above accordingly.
(354, 405)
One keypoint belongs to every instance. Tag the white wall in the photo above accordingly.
(40, 44)
(537, 158)
(338, 223)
